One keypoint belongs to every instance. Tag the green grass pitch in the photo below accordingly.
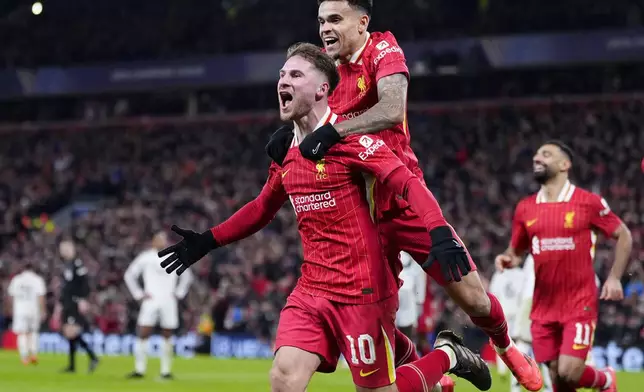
(201, 374)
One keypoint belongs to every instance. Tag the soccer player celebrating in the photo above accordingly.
(372, 98)
(27, 289)
(346, 299)
(74, 305)
(158, 298)
(557, 227)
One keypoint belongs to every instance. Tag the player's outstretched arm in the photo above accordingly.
(248, 220)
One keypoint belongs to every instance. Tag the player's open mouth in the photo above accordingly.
(285, 99)
(538, 167)
(330, 41)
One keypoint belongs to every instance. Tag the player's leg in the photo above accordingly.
(572, 369)
(404, 347)
(33, 339)
(292, 369)
(169, 323)
(148, 318)
(409, 233)
(546, 341)
(303, 345)
(71, 331)
(20, 328)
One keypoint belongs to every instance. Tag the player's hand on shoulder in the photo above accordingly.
(279, 144)
(449, 253)
(188, 251)
(505, 261)
(612, 290)
(316, 144)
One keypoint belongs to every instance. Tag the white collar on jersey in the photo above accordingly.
(564, 196)
(357, 56)
(327, 117)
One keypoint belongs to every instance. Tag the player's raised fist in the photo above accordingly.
(504, 261)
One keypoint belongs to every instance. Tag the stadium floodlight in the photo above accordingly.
(36, 8)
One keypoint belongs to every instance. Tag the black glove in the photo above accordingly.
(188, 251)
(279, 143)
(316, 144)
(451, 255)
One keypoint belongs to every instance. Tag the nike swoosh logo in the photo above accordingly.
(367, 374)
(579, 347)
(530, 222)
(316, 149)
(284, 173)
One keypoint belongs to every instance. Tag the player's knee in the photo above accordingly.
(569, 372)
(286, 380)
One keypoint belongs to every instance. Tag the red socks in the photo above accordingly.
(592, 378)
(494, 325)
(423, 374)
(405, 349)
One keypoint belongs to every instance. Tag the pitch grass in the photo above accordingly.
(201, 374)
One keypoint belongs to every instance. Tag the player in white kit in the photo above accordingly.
(27, 289)
(411, 296)
(159, 304)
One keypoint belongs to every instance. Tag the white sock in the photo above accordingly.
(503, 350)
(140, 355)
(23, 346)
(450, 353)
(609, 380)
(166, 356)
(34, 344)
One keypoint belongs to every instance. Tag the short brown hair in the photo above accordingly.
(365, 5)
(320, 60)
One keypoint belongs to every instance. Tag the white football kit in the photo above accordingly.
(162, 289)
(26, 288)
(411, 295)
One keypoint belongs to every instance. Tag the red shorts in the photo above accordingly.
(407, 232)
(362, 333)
(551, 339)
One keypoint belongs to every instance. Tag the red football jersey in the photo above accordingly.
(358, 91)
(343, 257)
(561, 237)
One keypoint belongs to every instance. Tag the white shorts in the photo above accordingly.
(24, 323)
(162, 313)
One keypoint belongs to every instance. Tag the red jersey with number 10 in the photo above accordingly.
(358, 91)
(561, 237)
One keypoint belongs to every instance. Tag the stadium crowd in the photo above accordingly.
(477, 161)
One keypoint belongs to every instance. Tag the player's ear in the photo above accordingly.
(323, 90)
(364, 23)
(566, 164)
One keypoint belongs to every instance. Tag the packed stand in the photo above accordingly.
(118, 30)
(476, 161)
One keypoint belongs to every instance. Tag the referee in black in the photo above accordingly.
(74, 305)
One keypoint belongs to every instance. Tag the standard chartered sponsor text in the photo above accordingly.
(558, 243)
(314, 202)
